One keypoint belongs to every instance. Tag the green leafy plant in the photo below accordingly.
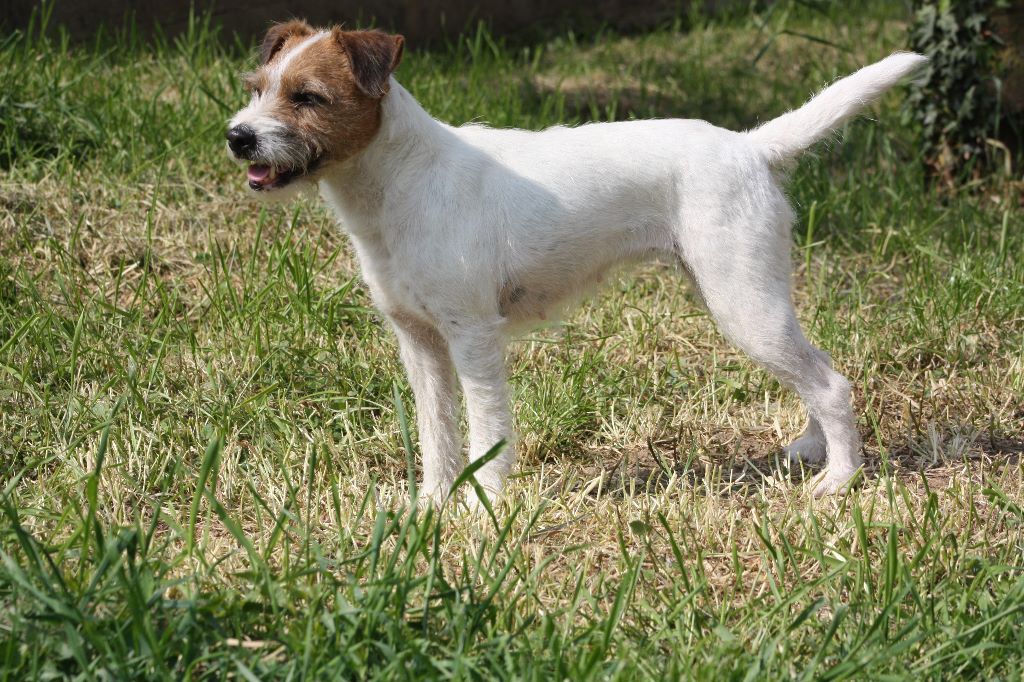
(957, 101)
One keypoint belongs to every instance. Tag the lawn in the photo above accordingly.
(203, 423)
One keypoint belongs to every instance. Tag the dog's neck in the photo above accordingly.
(408, 141)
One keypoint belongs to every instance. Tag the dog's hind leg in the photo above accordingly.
(478, 351)
(429, 367)
(746, 289)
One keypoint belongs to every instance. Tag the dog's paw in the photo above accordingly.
(806, 450)
(831, 482)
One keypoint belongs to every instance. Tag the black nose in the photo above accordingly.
(242, 140)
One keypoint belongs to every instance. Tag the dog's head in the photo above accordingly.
(316, 101)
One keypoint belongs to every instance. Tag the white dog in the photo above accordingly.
(465, 234)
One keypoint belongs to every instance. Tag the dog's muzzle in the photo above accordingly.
(264, 172)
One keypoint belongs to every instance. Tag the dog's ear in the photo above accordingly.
(372, 56)
(279, 33)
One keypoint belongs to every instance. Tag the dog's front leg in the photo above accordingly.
(479, 357)
(424, 353)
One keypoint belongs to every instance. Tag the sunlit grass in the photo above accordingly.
(202, 459)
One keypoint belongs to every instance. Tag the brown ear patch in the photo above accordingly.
(278, 34)
(372, 57)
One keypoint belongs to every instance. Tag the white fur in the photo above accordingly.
(466, 234)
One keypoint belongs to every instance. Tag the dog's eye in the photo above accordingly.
(306, 99)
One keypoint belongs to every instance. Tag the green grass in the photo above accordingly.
(202, 458)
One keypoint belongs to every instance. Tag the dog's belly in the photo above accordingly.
(544, 295)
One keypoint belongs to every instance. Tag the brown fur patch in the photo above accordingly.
(281, 33)
(347, 73)
(372, 56)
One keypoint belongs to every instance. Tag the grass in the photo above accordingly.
(202, 452)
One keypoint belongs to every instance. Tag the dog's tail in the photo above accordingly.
(788, 135)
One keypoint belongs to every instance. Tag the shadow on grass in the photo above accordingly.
(652, 469)
(927, 454)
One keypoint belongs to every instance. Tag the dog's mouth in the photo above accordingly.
(263, 177)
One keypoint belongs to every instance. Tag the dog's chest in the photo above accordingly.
(391, 280)
(390, 275)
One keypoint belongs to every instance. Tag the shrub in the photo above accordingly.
(959, 102)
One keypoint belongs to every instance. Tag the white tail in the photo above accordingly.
(795, 131)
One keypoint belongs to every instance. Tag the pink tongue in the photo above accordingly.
(258, 173)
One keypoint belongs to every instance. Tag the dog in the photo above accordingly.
(467, 235)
